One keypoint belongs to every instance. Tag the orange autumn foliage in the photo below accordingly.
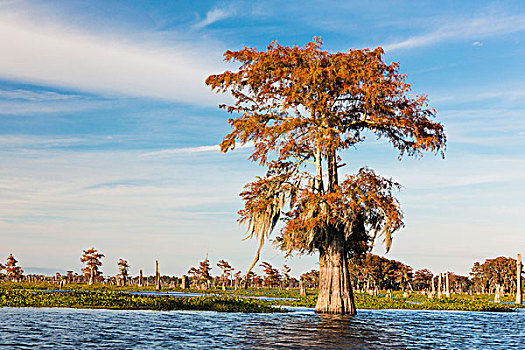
(300, 106)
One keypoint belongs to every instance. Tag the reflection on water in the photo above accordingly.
(302, 329)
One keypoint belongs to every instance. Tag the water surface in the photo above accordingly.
(61, 328)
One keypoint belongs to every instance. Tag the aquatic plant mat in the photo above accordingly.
(242, 300)
(123, 300)
(458, 302)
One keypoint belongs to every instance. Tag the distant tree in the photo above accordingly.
(193, 272)
(458, 283)
(493, 272)
(226, 271)
(257, 280)
(311, 279)
(476, 277)
(373, 271)
(123, 268)
(250, 278)
(286, 275)
(301, 108)
(272, 277)
(2, 275)
(91, 257)
(423, 279)
(69, 276)
(205, 271)
(13, 272)
(237, 277)
(402, 275)
(202, 274)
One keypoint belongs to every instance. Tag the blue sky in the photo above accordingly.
(108, 135)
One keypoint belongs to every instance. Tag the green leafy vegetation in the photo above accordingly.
(10, 297)
(459, 302)
(242, 300)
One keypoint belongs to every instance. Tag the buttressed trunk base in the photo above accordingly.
(335, 290)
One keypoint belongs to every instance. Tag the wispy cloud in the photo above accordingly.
(464, 29)
(62, 56)
(172, 151)
(20, 94)
(187, 150)
(212, 16)
(24, 102)
(32, 142)
(511, 92)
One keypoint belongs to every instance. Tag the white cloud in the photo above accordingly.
(58, 56)
(199, 149)
(167, 152)
(487, 26)
(23, 102)
(214, 15)
(477, 43)
(19, 94)
(35, 107)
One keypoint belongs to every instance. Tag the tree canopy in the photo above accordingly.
(297, 102)
(91, 257)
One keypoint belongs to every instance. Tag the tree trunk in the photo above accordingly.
(440, 286)
(497, 294)
(157, 276)
(332, 170)
(185, 282)
(141, 279)
(319, 170)
(335, 290)
(519, 266)
(447, 290)
(91, 276)
(302, 289)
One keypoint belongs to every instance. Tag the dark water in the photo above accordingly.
(27, 328)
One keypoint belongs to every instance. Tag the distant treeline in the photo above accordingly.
(368, 273)
(376, 272)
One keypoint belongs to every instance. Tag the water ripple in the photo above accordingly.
(48, 328)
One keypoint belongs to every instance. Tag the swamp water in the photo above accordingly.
(60, 328)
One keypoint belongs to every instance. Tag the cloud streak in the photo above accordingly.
(174, 151)
(57, 56)
(188, 150)
(475, 28)
(214, 15)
